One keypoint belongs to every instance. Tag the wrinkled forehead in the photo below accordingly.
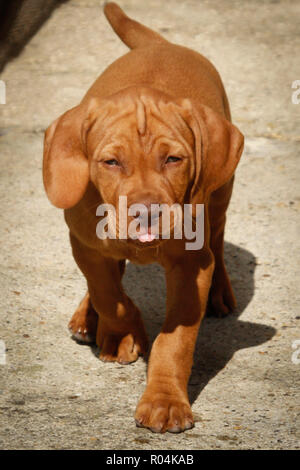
(145, 123)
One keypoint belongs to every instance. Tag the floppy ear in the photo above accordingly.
(65, 165)
(219, 145)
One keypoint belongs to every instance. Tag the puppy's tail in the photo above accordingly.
(132, 33)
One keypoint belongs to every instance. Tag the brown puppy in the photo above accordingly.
(154, 127)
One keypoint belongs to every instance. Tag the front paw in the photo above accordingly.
(161, 412)
(123, 349)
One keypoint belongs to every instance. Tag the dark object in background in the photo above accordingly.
(19, 21)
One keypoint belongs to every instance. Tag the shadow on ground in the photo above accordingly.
(219, 338)
(20, 20)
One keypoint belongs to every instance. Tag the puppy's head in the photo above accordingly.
(142, 144)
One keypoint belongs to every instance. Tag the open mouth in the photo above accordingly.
(146, 238)
(149, 239)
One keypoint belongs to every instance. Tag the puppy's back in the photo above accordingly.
(153, 61)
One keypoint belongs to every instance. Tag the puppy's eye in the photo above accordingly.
(112, 162)
(172, 159)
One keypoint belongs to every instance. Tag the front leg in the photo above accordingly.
(164, 405)
(120, 331)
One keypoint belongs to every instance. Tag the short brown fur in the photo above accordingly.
(159, 99)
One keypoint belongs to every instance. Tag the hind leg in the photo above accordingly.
(221, 298)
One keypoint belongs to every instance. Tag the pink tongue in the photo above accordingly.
(146, 237)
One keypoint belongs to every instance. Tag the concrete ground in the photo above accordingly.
(244, 389)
